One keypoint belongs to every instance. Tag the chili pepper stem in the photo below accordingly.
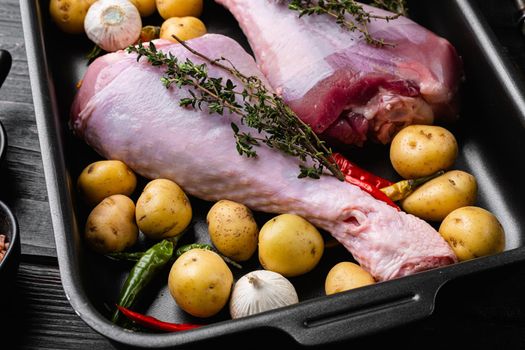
(191, 246)
(402, 189)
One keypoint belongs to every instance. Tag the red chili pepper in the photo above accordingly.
(153, 323)
(363, 179)
(350, 169)
(373, 191)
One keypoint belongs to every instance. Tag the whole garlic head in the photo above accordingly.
(113, 24)
(260, 291)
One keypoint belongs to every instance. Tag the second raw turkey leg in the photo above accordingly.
(344, 88)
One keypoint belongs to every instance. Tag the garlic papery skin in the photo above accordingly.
(113, 24)
(259, 291)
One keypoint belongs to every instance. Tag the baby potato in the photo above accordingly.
(184, 28)
(345, 276)
(163, 209)
(233, 230)
(179, 8)
(110, 226)
(472, 232)
(422, 150)
(290, 245)
(435, 199)
(200, 282)
(145, 7)
(104, 178)
(69, 15)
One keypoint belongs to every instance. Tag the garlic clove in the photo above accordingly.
(113, 24)
(259, 291)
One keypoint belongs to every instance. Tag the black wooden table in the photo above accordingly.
(483, 311)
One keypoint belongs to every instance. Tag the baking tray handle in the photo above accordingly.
(363, 311)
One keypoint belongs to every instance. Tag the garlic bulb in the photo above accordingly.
(260, 291)
(113, 24)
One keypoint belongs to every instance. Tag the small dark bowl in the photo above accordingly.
(9, 264)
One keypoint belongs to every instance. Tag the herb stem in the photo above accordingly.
(215, 95)
(209, 60)
(314, 153)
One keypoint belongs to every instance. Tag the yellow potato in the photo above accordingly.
(233, 230)
(105, 178)
(145, 7)
(179, 8)
(69, 14)
(473, 232)
(422, 150)
(437, 198)
(200, 282)
(290, 245)
(163, 209)
(110, 226)
(184, 28)
(346, 276)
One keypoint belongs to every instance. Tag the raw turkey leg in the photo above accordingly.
(124, 112)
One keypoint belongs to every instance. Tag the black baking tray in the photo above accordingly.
(490, 132)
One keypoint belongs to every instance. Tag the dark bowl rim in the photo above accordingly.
(13, 235)
(3, 142)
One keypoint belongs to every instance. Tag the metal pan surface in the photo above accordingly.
(491, 130)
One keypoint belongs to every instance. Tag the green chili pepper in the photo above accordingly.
(187, 247)
(151, 262)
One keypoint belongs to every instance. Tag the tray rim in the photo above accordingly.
(58, 186)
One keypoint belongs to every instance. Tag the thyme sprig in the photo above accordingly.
(277, 125)
(359, 18)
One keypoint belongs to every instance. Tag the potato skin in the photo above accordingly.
(110, 226)
(105, 178)
(422, 150)
(472, 232)
(163, 209)
(289, 245)
(179, 8)
(200, 282)
(345, 276)
(435, 199)
(233, 230)
(184, 28)
(69, 15)
(145, 7)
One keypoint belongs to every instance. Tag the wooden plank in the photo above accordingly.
(42, 317)
(26, 193)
